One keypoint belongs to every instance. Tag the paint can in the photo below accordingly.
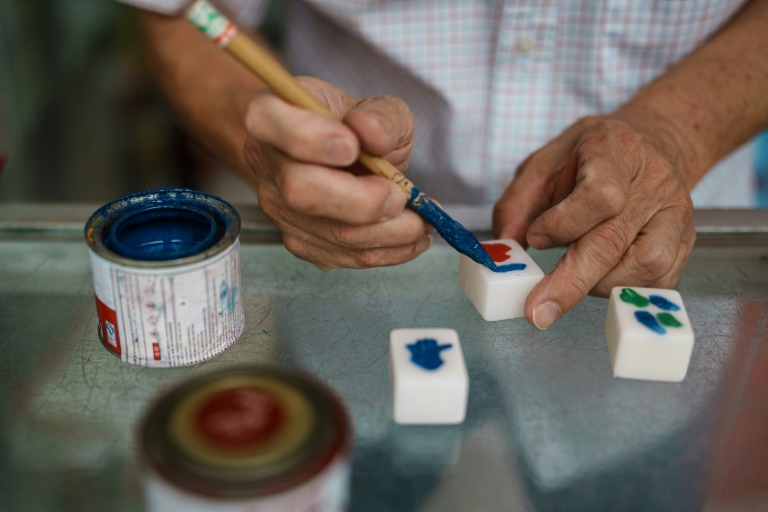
(166, 275)
(247, 439)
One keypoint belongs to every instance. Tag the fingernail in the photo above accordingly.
(340, 151)
(394, 204)
(424, 244)
(545, 314)
(539, 241)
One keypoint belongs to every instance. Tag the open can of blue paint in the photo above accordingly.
(166, 275)
(249, 438)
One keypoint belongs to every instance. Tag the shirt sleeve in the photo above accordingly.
(245, 13)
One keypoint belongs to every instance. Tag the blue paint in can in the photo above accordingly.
(162, 232)
(162, 227)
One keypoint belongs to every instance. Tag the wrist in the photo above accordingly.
(673, 133)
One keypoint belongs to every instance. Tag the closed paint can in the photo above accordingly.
(247, 439)
(166, 275)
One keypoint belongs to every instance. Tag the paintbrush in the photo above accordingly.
(227, 36)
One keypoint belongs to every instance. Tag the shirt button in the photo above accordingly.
(525, 45)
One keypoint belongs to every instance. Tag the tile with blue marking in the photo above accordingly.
(648, 333)
(500, 294)
(429, 378)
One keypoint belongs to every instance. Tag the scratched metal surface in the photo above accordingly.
(547, 428)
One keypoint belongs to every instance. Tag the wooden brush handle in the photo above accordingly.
(271, 72)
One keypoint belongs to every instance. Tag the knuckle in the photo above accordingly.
(608, 196)
(295, 193)
(345, 235)
(653, 263)
(254, 115)
(367, 258)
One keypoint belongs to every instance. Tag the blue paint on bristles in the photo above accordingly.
(457, 236)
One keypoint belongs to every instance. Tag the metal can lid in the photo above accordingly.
(245, 432)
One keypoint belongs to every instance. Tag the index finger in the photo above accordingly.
(600, 192)
(584, 264)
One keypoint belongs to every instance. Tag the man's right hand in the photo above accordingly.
(331, 216)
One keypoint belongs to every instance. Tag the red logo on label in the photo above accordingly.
(156, 351)
(498, 252)
(108, 332)
(240, 417)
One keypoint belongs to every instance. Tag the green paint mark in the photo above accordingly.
(632, 297)
(669, 320)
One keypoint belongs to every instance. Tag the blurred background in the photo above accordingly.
(80, 117)
(81, 120)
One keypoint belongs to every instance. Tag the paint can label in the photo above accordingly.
(327, 492)
(165, 317)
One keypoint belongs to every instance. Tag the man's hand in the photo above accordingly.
(616, 187)
(614, 192)
(330, 216)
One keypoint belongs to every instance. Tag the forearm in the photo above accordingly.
(209, 90)
(712, 101)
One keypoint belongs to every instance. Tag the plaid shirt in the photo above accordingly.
(489, 82)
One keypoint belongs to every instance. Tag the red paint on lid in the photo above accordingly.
(498, 252)
(240, 417)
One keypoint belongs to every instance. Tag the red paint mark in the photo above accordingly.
(156, 351)
(498, 252)
(226, 35)
(241, 417)
(108, 332)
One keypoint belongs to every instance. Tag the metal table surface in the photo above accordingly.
(547, 427)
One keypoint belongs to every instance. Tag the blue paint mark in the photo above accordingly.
(232, 300)
(426, 353)
(649, 321)
(662, 303)
(452, 232)
(510, 267)
(224, 290)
